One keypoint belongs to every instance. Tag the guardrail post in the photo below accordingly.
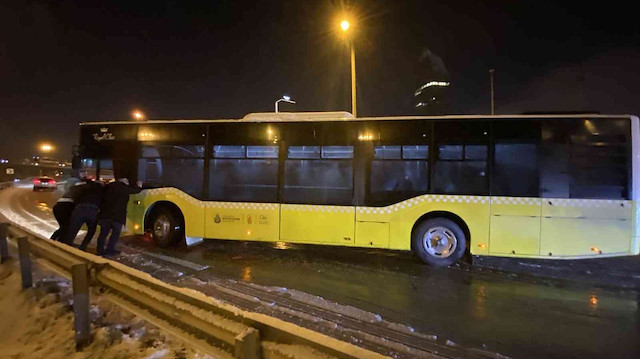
(25, 262)
(4, 249)
(81, 322)
(247, 344)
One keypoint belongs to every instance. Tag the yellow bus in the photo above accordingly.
(530, 186)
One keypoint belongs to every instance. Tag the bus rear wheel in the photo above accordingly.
(439, 242)
(166, 227)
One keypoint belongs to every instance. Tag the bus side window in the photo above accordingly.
(600, 159)
(585, 159)
(461, 157)
(179, 166)
(554, 159)
(515, 162)
(399, 164)
(398, 173)
(319, 175)
(244, 173)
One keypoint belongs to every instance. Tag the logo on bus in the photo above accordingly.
(104, 135)
(217, 218)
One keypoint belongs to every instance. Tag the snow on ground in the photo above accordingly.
(38, 323)
(346, 310)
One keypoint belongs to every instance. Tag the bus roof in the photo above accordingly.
(344, 116)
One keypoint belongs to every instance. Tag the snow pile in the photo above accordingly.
(38, 323)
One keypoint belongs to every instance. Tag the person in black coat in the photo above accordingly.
(88, 200)
(63, 210)
(113, 213)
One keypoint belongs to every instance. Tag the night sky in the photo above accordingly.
(64, 62)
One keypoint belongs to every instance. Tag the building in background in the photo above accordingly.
(433, 93)
(433, 98)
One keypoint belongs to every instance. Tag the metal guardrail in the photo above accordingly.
(6, 185)
(246, 334)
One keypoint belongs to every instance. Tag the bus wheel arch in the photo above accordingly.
(447, 225)
(165, 221)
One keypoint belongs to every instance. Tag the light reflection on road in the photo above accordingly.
(281, 245)
(43, 206)
(246, 274)
(480, 310)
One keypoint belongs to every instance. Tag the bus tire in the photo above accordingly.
(166, 227)
(439, 242)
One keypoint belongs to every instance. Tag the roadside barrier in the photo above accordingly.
(247, 335)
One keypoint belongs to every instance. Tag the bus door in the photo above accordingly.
(242, 172)
(317, 184)
(320, 175)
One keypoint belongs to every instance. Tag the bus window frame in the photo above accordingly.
(227, 134)
(463, 139)
(319, 134)
(193, 140)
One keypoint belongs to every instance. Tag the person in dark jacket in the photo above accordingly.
(62, 211)
(65, 204)
(87, 202)
(113, 213)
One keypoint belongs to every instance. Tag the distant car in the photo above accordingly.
(44, 184)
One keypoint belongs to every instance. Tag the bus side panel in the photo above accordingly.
(313, 224)
(581, 227)
(515, 225)
(192, 209)
(135, 213)
(473, 210)
(242, 221)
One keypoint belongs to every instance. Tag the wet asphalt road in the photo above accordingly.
(500, 312)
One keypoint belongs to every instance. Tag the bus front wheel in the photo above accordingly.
(166, 227)
(439, 242)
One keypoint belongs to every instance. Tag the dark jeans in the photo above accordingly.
(84, 213)
(106, 226)
(62, 211)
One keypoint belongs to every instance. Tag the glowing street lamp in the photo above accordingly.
(285, 99)
(45, 147)
(138, 115)
(345, 26)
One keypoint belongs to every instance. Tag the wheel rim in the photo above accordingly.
(439, 242)
(162, 227)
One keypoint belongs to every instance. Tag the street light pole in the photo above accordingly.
(285, 99)
(491, 80)
(345, 25)
(353, 82)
